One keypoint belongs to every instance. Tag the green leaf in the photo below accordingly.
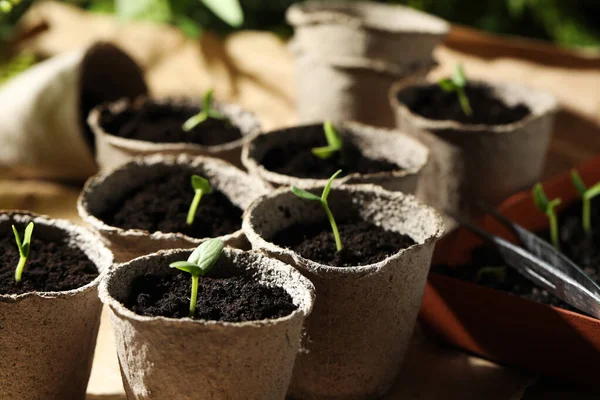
(188, 26)
(187, 266)
(592, 192)
(27, 239)
(207, 254)
(147, 10)
(578, 182)
(194, 121)
(327, 188)
(303, 194)
(200, 183)
(229, 11)
(458, 78)
(334, 139)
(552, 204)
(18, 240)
(207, 101)
(447, 85)
(539, 197)
(324, 152)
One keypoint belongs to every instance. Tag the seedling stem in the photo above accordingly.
(587, 194)
(547, 207)
(457, 83)
(24, 247)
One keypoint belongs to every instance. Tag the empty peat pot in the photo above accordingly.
(367, 304)
(359, 29)
(49, 320)
(141, 207)
(380, 156)
(182, 358)
(125, 129)
(496, 152)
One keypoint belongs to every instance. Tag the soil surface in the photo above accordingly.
(299, 161)
(583, 249)
(434, 103)
(363, 242)
(161, 123)
(50, 267)
(226, 299)
(163, 204)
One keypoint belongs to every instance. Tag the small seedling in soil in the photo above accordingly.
(198, 264)
(587, 194)
(547, 207)
(303, 194)
(334, 142)
(201, 187)
(457, 83)
(24, 247)
(204, 114)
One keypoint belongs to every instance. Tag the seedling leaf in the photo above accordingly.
(547, 207)
(201, 187)
(446, 84)
(578, 182)
(327, 187)
(229, 11)
(186, 266)
(304, 194)
(18, 240)
(24, 246)
(206, 112)
(539, 197)
(200, 183)
(459, 76)
(334, 142)
(457, 83)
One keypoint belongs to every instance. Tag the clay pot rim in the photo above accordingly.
(549, 105)
(182, 159)
(233, 111)
(328, 271)
(253, 166)
(320, 12)
(302, 310)
(69, 228)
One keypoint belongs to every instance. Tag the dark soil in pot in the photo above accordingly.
(161, 123)
(583, 249)
(299, 161)
(434, 103)
(225, 299)
(363, 242)
(163, 203)
(51, 266)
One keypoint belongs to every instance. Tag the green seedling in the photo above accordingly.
(205, 113)
(498, 272)
(334, 142)
(201, 187)
(587, 194)
(547, 207)
(24, 247)
(198, 264)
(457, 83)
(303, 194)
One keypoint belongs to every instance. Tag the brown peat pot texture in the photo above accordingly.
(510, 328)
(226, 299)
(125, 129)
(369, 155)
(161, 123)
(254, 306)
(49, 321)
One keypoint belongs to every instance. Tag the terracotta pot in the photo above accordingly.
(45, 108)
(47, 339)
(378, 143)
(363, 316)
(485, 162)
(103, 190)
(355, 89)
(114, 151)
(505, 328)
(389, 33)
(165, 358)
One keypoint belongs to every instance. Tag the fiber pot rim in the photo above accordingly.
(148, 161)
(245, 121)
(254, 166)
(68, 228)
(319, 12)
(302, 311)
(544, 104)
(328, 271)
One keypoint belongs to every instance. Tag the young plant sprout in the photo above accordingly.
(334, 142)
(205, 113)
(24, 247)
(587, 194)
(303, 194)
(198, 264)
(201, 187)
(547, 207)
(457, 83)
